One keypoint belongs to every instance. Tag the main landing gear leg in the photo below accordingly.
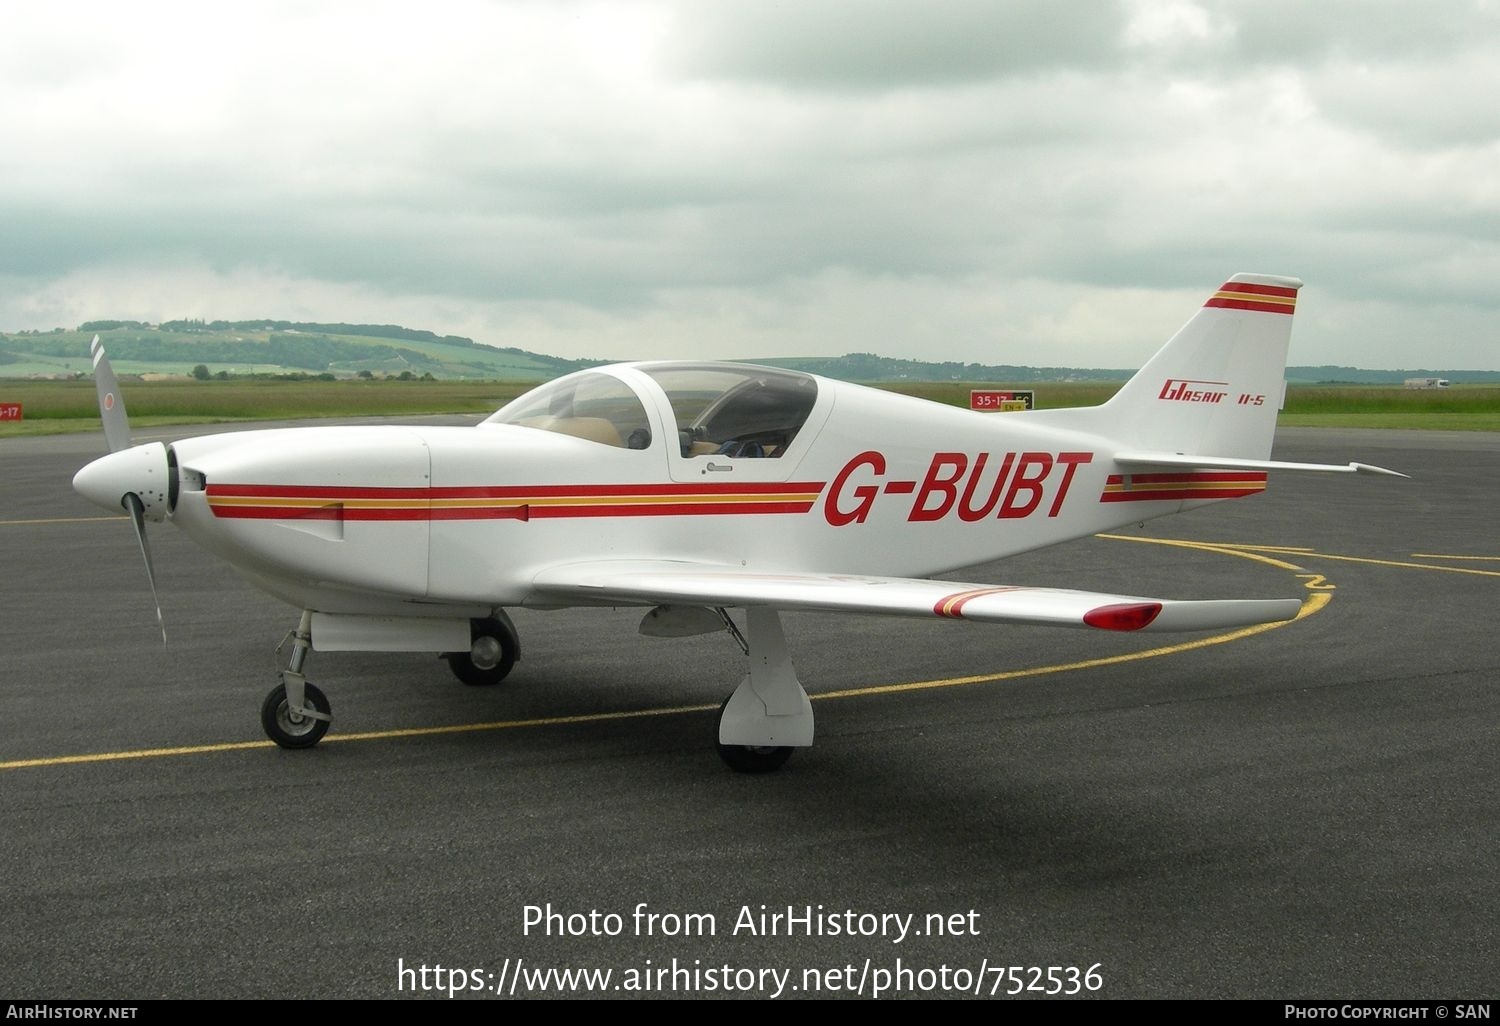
(296, 714)
(769, 714)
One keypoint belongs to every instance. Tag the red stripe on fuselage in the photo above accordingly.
(416, 504)
(509, 512)
(334, 493)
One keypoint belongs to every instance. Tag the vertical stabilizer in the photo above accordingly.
(1214, 389)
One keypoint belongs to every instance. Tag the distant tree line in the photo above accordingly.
(307, 345)
(1331, 375)
(111, 325)
(869, 367)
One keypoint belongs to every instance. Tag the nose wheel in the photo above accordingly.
(295, 727)
(296, 714)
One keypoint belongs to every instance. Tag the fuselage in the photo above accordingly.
(361, 519)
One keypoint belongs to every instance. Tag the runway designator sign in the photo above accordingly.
(997, 401)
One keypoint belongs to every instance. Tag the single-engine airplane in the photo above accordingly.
(694, 488)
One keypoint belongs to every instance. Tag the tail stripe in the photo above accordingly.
(1247, 296)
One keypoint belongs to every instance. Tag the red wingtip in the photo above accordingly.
(1123, 616)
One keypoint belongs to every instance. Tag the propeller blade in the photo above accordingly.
(111, 403)
(132, 502)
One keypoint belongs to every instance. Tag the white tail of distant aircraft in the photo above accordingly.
(694, 488)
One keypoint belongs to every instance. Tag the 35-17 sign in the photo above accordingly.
(992, 400)
(10, 411)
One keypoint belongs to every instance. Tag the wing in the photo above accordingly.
(644, 582)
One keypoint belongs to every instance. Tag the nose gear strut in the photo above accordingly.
(296, 714)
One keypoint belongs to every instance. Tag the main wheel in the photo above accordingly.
(294, 730)
(490, 657)
(751, 758)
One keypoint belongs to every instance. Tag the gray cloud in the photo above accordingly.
(859, 46)
(664, 178)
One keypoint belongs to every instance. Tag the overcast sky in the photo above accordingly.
(1039, 183)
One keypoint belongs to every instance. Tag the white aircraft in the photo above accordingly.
(693, 488)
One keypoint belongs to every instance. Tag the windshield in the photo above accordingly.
(592, 406)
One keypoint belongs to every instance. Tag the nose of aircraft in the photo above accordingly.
(143, 470)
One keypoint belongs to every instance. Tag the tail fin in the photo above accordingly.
(1214, 389)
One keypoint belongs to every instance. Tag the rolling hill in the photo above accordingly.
(273, 347)
(237, 348)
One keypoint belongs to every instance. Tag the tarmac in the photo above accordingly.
(1308, 811)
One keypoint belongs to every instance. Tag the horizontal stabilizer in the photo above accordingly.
(643, 582)
(1170, 459)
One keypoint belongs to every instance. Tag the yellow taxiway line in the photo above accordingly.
(1387, 562)
(59, 520)
(1316, 600)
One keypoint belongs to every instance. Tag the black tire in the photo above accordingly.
(750, 758)
(290, 731)
(496, 665)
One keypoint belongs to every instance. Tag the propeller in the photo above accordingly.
(111, 403)
(137, 509)
(135, 478)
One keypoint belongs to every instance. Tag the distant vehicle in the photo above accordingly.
(1426, 382)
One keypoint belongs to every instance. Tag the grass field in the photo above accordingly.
(52, 407)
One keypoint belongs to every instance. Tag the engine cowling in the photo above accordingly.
(339, 507)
